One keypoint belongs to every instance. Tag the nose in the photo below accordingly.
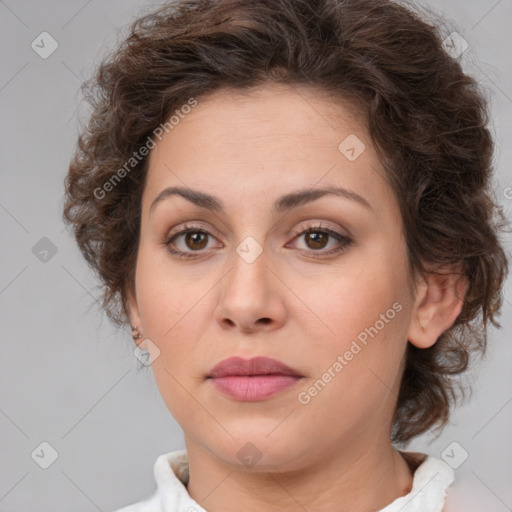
(251, 296)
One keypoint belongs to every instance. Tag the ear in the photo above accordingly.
(439, 301)
(135, 320)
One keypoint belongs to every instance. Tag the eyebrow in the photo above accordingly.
(282, 204)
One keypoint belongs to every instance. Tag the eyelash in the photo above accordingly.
(345, 240)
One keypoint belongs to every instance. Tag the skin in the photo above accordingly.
(247, 150)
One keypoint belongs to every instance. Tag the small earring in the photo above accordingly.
(136, 333)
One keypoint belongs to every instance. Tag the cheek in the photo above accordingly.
(174, 310)
(366, 311)
(360, 367)
(166, 299)
(354, 302)
(169, 306)
(158, 306)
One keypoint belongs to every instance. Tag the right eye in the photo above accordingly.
(194, 238)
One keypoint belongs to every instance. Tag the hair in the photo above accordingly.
(426, 118)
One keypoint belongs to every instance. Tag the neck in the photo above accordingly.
(345, 481)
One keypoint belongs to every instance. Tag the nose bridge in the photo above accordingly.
(250, 254)
(248, 296)
(248, 275)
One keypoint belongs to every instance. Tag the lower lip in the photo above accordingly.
(252, 389)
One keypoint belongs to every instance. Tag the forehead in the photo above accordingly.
(266, 142)
(268, 116)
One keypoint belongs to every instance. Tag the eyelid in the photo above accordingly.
(321, 224)
(191, 225)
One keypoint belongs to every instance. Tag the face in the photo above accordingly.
(318, 282)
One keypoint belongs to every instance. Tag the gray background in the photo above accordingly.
(67, 376)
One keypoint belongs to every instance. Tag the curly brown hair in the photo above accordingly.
(427, 118)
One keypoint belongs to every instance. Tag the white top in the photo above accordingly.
(431, 481)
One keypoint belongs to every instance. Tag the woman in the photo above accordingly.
(290, 203)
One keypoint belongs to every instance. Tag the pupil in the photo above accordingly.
(196, 238)
(317, 239)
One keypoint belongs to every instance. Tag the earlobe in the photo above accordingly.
(439, 301)
(135, 321)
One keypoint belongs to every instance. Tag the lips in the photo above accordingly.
(237, 366)
(252, 380)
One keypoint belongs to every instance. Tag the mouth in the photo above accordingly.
(253, 379)
(254, 367)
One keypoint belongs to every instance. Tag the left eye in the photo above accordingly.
(316, 238)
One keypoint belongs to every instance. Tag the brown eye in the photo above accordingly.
(316, 239)
(188, 241)
(196, 240)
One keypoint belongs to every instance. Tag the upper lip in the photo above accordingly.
(254, 366)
